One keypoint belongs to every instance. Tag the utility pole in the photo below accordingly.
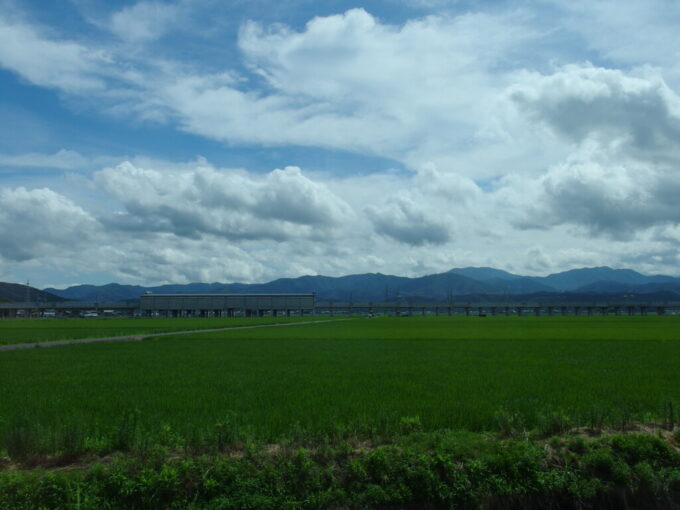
(28, 300)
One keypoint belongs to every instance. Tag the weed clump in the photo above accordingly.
(510, 423)
(23, 438)
(127, 433)
(556, 421)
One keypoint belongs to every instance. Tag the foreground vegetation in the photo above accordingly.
(349, 414)
(417, 470)
(18, 331)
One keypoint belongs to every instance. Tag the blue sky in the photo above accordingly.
(199, 140)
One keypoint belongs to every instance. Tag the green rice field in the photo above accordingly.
(17, 331)
(354, 378)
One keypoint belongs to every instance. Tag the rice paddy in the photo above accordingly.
(47, 330)
(356, 378)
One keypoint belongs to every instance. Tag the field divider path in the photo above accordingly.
(143, 336)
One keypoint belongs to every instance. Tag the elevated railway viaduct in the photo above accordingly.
(254, 305)
(500, 308)
(170, 305)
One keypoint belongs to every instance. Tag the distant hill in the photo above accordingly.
(578, 278)
(484, 274)
(655, 287)
(617, 288)
(504, 282)
(110, 292)
(469, 281)
(19, 292)
(606, 287)
(521, 285)
(362, 287)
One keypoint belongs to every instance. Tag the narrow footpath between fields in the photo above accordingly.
(132, 338)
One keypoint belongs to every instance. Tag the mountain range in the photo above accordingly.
(470, 281)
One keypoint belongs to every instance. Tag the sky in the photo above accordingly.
(156, 142)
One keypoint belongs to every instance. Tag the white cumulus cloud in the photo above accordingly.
(65, 65)
(144, 21)
(40, 222)
(283, 204)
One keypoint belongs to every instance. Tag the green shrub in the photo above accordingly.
(673, 480)
(577, 444)
(634, 448)
(604, 465)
